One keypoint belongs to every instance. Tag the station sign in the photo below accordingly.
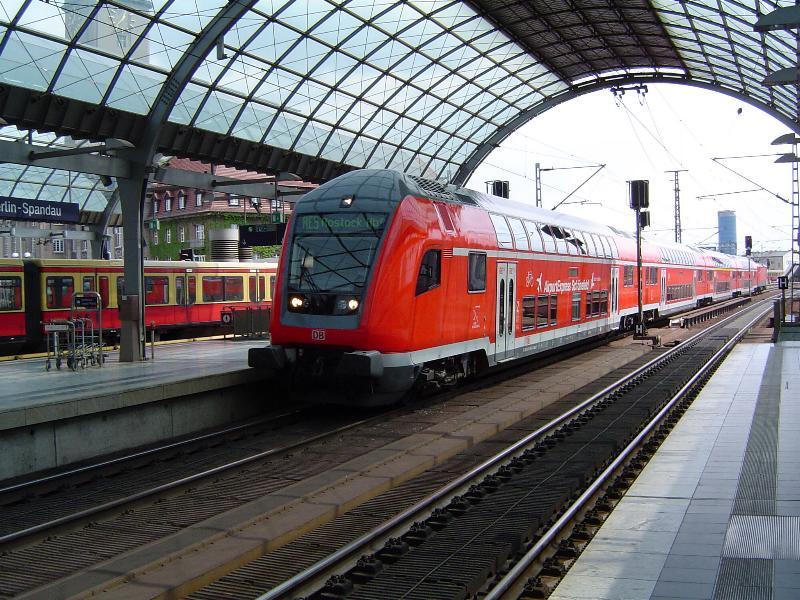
(262, 234)
(85, 302)
(22, 209)
(783, 282)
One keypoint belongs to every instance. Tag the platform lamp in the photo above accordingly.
(639, 192)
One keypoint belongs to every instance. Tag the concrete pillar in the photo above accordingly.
(132, 334)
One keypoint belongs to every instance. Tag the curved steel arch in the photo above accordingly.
(483, 151)
(319, 87)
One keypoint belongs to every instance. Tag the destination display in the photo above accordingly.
(263, 234)
(22, 209)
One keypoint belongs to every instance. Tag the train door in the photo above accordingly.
(505, 322)
(662, 302)
(614, 293)
(182, 301)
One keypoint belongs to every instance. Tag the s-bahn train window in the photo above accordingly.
(430, 271)
(234, 288)
(604, 302)
(252, 288)
(191, 290)
(331, 253)
(627, 276)
(520, 235)
(156, 290)
(528, 313)
(502, 231)
(88, 284)
(553, 309)
(180, 291)
(120, 288)
(534, 236)
(477, 272)
(59, 291)
(10, 293)
(212, 289)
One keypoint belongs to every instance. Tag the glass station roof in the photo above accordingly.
(90, 192)
(420, 86)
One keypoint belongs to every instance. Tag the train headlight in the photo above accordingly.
(296, 302)
(352, 304)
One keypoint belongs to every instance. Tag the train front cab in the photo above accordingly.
(327, 279)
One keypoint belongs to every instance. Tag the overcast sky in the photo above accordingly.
(640, 137)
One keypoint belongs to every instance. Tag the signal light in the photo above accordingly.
(640, 194)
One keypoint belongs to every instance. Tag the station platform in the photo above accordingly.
(716, 512)
(55, 417)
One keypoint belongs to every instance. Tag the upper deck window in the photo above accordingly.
(535, 237)
(502, 231)
(520, 235)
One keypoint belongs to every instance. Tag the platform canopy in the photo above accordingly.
(318, 87)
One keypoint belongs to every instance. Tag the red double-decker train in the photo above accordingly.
(388, 280)
(181, 298)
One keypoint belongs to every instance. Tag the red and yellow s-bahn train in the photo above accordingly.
(389, 280)
(180, 297)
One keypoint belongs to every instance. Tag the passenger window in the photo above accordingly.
(528, 313)
(191, 290)
(234, 289)
(88, 284)
(535, 237)
(272, 286)
(120, 289)
(156, 290)
(613, 245)
(477, 272)
(429, 275)
(59, 292)
(520, 235)
(553, 309)
(180, 295)
(252, 287)
(212, 289)
(542, 309)
(580, 241)
(548, 235)
(10, 293)
(502, 231)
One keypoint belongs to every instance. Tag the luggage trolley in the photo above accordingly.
(86, 313)
(60, 343)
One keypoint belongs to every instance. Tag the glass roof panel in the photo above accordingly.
(42, 183)
(427, 80)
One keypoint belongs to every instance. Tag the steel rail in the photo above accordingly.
(516, 572)
(346, 556)
(139, 454)
(23, 533)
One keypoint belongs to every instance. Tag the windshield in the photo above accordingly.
(332, 252)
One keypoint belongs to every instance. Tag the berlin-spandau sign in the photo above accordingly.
(22, 209)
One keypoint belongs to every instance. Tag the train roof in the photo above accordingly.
(71, 262)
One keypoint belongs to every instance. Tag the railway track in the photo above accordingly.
(493, 530)
(91, 497)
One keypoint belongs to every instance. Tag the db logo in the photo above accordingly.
(318, 335)
(227, 318)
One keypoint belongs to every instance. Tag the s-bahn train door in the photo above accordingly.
(614, 293)
(506, 320)
(662, 302)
